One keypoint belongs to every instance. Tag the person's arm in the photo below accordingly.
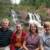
(13, 38)
(24, 46)
(41, 43)
(38, 44)
(37, 49)
(42, 48)
(12, 42)
(25, 35)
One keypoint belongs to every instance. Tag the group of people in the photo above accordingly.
(23, 40)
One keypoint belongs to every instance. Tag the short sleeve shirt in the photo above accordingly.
(45, 41)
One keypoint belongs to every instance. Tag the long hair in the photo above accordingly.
(31, 30)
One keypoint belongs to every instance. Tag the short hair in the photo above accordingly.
(47, 23)
(5, 19)
(19, 24)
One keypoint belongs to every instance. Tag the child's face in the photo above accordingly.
(5, 24)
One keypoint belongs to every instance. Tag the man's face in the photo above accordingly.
(48, 29)
(18, 28)
(5, 24)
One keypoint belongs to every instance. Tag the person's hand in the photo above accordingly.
(37, 49)
(25, 48)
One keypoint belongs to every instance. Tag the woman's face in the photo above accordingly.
(33, 28)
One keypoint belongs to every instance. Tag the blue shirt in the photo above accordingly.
(45, 41)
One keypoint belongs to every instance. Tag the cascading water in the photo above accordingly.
(15, 1)
(14, 16)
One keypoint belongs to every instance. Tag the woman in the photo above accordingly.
(45, 38)
(17, 38)
(32, 39)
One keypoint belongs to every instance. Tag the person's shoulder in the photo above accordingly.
(14, 34)
(24, 33)
(38, 36)
(0, 29)
(42, 34)
(10, 30)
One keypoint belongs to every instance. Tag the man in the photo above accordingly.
(45, 39)
(5, 34)
(18, 37)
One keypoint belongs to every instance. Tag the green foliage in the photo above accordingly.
(25, 5)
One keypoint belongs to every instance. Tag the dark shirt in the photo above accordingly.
(5, 37)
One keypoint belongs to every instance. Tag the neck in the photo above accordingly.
(47, 33)
(4, 29)
(18, 32)
(34, 33)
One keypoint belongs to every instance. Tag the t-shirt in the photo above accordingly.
(45, 41)
(5, 37)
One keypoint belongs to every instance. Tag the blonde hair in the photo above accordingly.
(5, 20)
(47, 23)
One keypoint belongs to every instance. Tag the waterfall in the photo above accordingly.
(14, 15)
(34, 18)
(37, 17)
(15, 1)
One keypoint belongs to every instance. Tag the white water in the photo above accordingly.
(15, 1)
(14, 15)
